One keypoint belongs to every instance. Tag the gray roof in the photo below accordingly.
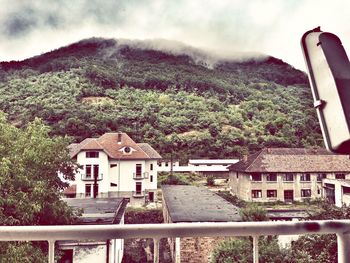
(148, 149)
(293, 160)
(186, 203)
(99, 210)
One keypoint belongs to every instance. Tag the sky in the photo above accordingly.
(272, 27)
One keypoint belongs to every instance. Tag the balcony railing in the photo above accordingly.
(158, 231)
(138, 194)
(139, 176)
(84, 177)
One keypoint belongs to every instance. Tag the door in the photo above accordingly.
(151, 196)
(138, 188)
(288, 196)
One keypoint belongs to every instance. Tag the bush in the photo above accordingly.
(239, 250)
(253, 212)
(177, 179)
(233, 199)
(143, 216)
(210, 181)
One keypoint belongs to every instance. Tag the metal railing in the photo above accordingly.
(178, 230)
(84, 177)
(138, 193)
(143, 175)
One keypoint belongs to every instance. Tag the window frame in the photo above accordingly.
(88, 193)
(342, 175)
(321, 176)
(258, 195)
(269, 191)
(138, 170)
(306, 190)
(268, 175)
(305, 177)
(259, 175)
(92, 154)
(288, 175)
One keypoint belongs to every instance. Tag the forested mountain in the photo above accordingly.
(186, 101)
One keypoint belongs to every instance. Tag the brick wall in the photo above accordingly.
(198, 249)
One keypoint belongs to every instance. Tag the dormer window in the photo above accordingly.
(127, 150)
(92, 154)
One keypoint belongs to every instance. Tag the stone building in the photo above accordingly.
(185, 203)
(286, 174)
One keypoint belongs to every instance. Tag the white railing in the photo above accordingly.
(157, 231)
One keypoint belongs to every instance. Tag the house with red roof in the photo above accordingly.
(113, 165)
(289, 174)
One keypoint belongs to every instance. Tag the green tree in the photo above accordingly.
(240, 250)
(320, 248)
(30, 161)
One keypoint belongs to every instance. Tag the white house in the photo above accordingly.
(113, 165)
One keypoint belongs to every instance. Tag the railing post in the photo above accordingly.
(343, 242)
(256, 249)
(177, 250)
(51, 251)
(156, 250)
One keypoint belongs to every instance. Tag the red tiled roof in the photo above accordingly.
(72, 189)
(293, 160)
(108, 142)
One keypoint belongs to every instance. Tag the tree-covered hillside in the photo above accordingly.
(176, 102)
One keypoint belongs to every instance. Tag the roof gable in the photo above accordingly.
(113, 144)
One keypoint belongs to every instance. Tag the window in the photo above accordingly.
(151, 167)
(256, 193)
(138, 187)
(91, 171)
(271, 177)
(138, 169)
(305, 178)
(96, 170)
(151, 178)
(346, 190)
(88, 171)
(127, 149)
(339, 176)
(271, 193)
(91, 154)
(305, 192)
(113, 165)
(256, 177)
(166, 164)
(321, 176)
(88, 190)
(288, 177)
(288, 195)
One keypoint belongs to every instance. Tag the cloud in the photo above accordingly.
(272, 27)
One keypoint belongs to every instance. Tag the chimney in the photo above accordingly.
(119, 140)
(245, 158)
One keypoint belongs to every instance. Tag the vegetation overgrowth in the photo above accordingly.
(174, 102)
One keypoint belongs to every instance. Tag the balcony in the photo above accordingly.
(138, 194)
(158, 231)
(85, 177)
(140, 176)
